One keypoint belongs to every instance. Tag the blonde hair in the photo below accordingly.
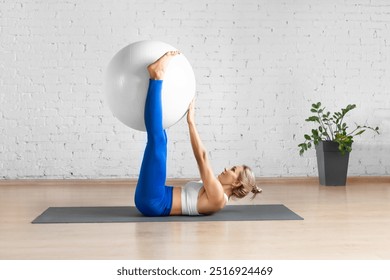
(248, 184)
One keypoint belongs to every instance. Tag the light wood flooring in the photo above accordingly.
(351, 222)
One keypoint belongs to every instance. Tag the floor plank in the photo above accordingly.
(351, 222)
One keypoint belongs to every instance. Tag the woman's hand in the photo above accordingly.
(191, 112)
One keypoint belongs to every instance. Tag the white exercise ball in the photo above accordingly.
(127, 81)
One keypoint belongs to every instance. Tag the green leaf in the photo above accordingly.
(360, 132)
(313, 119)
(316, 105)
(307, 137)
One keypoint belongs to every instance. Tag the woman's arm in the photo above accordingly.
(212, 186)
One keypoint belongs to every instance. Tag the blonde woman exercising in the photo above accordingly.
(152, 196)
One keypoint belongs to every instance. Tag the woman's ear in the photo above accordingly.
(237, 184)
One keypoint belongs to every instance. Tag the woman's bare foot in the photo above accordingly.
(157, 69)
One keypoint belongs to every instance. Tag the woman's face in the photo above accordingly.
(230, 176)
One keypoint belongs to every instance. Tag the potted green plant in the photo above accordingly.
(332, 143)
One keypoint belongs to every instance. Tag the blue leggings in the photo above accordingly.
(152, 196)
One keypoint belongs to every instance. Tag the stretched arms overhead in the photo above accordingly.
(212, 186)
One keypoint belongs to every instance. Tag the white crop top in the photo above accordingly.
(189, 198)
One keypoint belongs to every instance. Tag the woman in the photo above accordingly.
(152, 196)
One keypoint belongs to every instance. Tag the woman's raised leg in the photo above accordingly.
(152, 197)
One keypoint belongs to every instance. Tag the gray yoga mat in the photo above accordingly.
(129, 214)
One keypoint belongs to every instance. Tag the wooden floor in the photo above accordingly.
(350, 222)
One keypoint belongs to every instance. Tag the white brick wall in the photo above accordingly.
(259, 65)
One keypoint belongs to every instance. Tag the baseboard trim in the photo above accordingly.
(173, 181)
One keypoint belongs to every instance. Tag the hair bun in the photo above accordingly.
(256, 190)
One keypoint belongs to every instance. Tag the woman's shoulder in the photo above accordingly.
(209, 206)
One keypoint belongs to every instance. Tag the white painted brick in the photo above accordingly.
(259, 65)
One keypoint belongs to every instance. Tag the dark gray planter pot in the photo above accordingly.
(332, 165)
